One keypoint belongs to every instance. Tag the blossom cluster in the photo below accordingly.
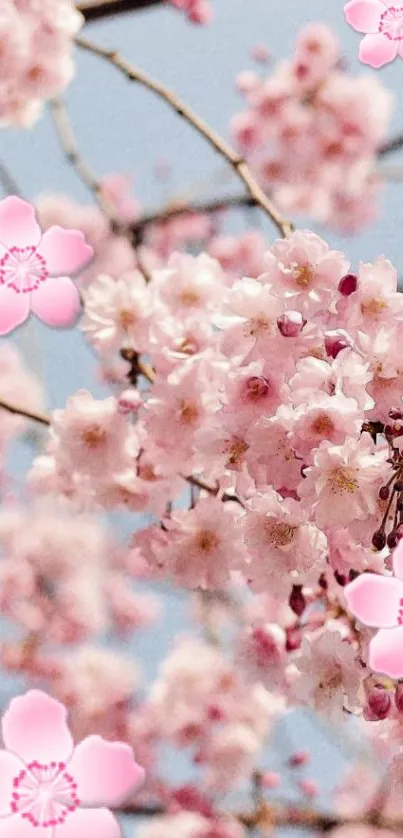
(198, 11)
(36, 62)
(265, 395)
(312, 130)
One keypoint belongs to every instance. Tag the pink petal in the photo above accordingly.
(56, 302)
(87, 823)
(377, 50)
(375, 600)
(34, 727)
(65, 251)
(398, 560)
(14, 309)
(386, 652)
(18, 224)
(105, 772)
(10, 767)
(18, 827)
(364, 15)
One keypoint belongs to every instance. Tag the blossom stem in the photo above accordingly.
(239, 165)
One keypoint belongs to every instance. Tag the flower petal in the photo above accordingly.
(364, 15)
(10, 767)
(18, 224)
(14, 309)
(65, 251)
(375, 600)
(34, 727)
(377, 50)
(18, 827)
(84, 823)
(398, 560)
(386, 652)
(105, 772)
(56, 302)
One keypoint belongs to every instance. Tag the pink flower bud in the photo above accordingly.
(291, 324)
(271, 780)
(335, 342)
(297, 601)
(379, 704)
(299, 758)
(348, 284)
(130, 401)
(309, 787)
(399, 697)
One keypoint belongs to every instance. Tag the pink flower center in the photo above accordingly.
(22, 269)
(44, 794)
(391, 23)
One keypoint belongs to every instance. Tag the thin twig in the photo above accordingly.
(175, 210)
(395, 144)
(97, 9)
(41, 418)
(239, 165)
(8, 182)
(69, 146)
(272, 816)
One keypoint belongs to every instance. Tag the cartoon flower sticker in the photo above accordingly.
(377, 601)
(51, 789)
(35, 269)
(382, 23)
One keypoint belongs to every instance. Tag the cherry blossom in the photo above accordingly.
(33, 268)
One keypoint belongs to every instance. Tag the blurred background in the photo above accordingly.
(121, 128)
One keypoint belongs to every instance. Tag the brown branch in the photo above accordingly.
(179, 208)
(395, 144)
(69, 146)
(97, 9)
(9, 184)
(269, 817)
(237, 162)
(41, 418)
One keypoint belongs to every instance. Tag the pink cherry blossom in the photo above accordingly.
(45, 780)
(378, 601)
(382, 24)
(32, 268)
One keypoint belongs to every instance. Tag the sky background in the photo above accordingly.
(120, 127)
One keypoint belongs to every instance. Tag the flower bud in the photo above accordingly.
(335, 342)
(399, 697)
(348, 284)
(129, 401)
(379, 704)
(297, 600)
(291, 324)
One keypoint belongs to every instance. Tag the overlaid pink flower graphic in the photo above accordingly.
(377, 601)
(35, 269)
(382, 23)
(51, 789)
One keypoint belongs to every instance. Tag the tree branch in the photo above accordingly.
(9, 184)
(97, 9)
(272, 816)
(239, 165)
(41, 418)
(395, 144)
(69, 146)
(175, 210)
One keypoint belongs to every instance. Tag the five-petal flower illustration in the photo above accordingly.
(377, 601)
(35, 269)
(382, 23)
(48, 788)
